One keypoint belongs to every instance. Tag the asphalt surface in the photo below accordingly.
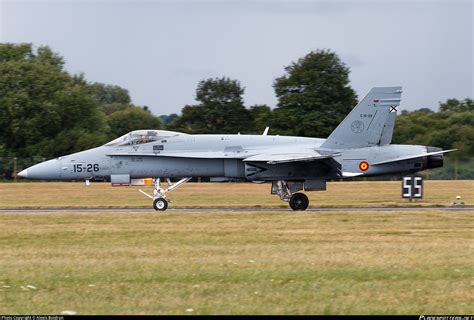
(118, 210)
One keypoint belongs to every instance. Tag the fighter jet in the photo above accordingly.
(358, 147)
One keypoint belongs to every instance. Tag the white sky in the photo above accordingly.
(159, 50)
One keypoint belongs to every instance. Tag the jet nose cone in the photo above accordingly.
(23, 174)
(48, 170)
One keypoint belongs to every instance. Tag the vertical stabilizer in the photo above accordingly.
(370, 123)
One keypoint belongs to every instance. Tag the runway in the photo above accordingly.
(242, 209)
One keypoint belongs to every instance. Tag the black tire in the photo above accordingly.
(299, 201)
(160, 204)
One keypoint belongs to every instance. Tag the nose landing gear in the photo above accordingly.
(160, 202)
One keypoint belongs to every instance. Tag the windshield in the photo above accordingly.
(142, 136)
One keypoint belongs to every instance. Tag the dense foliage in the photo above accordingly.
(452, 127)
(47, 112)
(314, 96)
(220, 110)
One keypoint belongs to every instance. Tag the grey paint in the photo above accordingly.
(387, 131)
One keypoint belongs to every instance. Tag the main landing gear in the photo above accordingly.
(160, 202)
(285, 190)
(299, 201)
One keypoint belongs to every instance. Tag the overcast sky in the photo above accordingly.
(159, 50)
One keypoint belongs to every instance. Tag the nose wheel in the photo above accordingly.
(160, 204)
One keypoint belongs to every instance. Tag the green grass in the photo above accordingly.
(219, 195)
(416, 262)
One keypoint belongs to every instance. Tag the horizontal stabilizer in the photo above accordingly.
(413, 157)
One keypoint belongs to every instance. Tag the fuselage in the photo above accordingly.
(220, 156)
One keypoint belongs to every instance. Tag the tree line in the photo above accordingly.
(47, 112)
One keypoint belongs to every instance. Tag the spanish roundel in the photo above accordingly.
(363, 166)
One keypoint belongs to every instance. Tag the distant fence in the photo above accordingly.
(453, 169)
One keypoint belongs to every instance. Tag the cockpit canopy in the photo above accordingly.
(142, 136)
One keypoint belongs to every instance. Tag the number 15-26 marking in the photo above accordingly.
(79, 167)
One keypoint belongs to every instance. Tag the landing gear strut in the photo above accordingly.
(285, 190)
(160, 202)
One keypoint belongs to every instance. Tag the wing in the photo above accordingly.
(275, 158)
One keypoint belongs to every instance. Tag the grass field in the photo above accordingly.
(201, 262)
(416, 262)
(202, 195)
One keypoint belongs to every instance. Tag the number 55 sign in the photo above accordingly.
(412, 187)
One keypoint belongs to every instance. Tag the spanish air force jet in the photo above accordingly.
(358, 147)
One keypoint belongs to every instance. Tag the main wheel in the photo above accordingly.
(160, 204)
(299, 201)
